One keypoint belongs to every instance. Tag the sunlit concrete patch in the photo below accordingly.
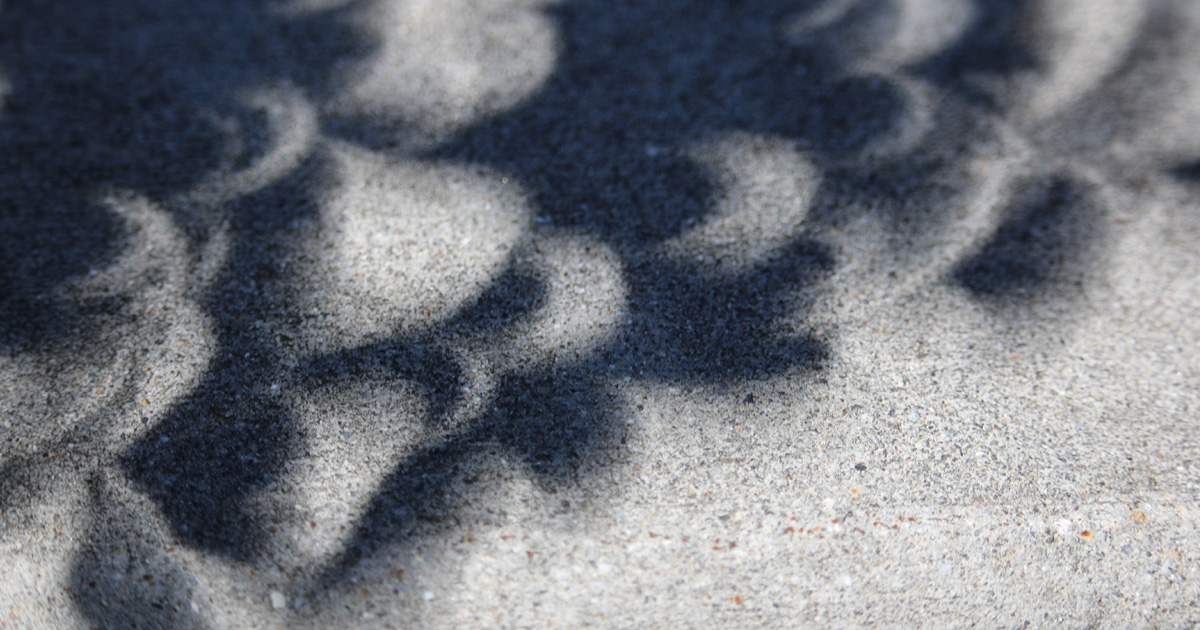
(439, 577)
(766, 188)
(1078, 44)
(407, 242)
(443, 64)
(355, 434)
(585, 303)
(923, 29)
(36, 549)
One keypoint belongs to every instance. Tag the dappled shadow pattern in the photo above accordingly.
(637, 82)
(136, 94)
(599, 146)
(602, 147)
(682, 328)
(204, 461)
(549, 424)
(590, 173)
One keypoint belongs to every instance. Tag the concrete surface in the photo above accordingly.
(599, 313)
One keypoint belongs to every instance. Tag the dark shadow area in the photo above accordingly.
(203, 463)
(205, 460)
(511, 299)
(1040, 244)
(1190, 172)
(45, 242)
(688, 326)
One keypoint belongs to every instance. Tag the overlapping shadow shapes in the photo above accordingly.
(522, 421)
(908, 190)
(552, 420)
(143, 94)
(598, 144)
(1050, 225)
(419, 358)
(205, 460)
(991, 47)
(135, 94)
(598, 147)
(546, 422)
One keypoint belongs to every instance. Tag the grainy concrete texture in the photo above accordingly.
(599, 313)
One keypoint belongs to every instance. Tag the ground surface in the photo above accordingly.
(596, 313)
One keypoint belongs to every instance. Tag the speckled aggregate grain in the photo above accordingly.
(524, 314)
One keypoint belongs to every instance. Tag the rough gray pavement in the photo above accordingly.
(599, 313)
